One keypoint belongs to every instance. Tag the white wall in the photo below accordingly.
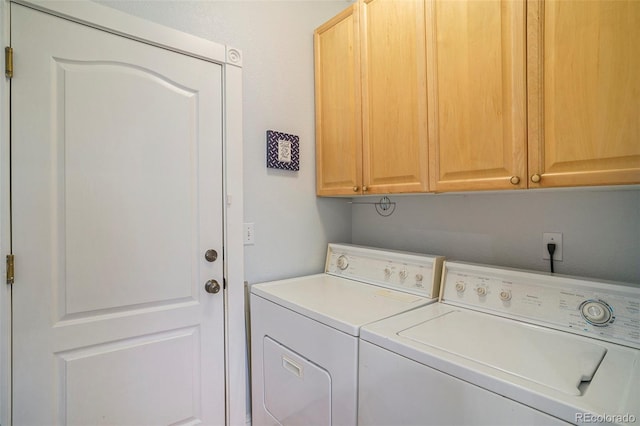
(292, 226)
(600, 228)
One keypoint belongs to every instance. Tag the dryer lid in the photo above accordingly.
(340, 303)
(558, 360)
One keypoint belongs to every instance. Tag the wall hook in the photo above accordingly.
(385, 207)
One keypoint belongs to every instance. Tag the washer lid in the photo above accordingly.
(559, 361)
(338, 302)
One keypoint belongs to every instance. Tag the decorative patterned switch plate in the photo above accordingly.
(283, 151)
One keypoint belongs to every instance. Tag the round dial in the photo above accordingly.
(403, 274)
(597, 312)
(505, 295)
(343, 262)
(482, 291)
(460, 287)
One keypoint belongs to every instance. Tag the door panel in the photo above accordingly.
(395, 154)
(584, 90)
(128, 371)
(477, 110)
(117, 194)
(338, 105)
(98, 157)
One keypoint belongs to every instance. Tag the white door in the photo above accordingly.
(116, 197)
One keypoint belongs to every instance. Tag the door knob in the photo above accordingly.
(211, 255)
(212, 286)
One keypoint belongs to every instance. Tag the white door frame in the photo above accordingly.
(102, 17)
(5, 290)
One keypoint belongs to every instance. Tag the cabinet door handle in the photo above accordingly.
(355, 189)
(536, 178)
(514, 180)
(364, 188)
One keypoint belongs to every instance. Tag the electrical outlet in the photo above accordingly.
(555, 238)
(249, 234)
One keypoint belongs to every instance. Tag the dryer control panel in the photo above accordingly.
(603, 310)
(409, 272)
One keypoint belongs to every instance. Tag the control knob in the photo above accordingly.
(482, 291)
(343, 262)
(505, 295)
(403, 274)
(597, 312)
(460, 286)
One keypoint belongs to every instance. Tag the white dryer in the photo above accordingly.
(304, 331)
(506, 347)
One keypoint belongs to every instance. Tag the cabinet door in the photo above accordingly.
(476, 75)
(394, 96)
(338, 105)
(584, 92)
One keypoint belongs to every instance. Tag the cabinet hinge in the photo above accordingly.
(10, 269)
(8, 62)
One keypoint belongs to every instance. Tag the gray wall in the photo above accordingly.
(292, 226)
(600, 227)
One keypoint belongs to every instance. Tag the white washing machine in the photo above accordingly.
(506, 347)
(304, 331)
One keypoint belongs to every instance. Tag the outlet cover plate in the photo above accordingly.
(552, 237)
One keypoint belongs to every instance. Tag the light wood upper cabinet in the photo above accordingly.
(584, 92)
(477, 94)
(370, 74)
(394, 97)
(338, 105)
(481, 95)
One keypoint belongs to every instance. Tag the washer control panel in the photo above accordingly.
(605, 310)
(409, 272)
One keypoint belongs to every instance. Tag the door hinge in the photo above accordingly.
(8, 62)
(10, 269)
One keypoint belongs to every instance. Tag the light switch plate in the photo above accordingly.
(249, 234)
